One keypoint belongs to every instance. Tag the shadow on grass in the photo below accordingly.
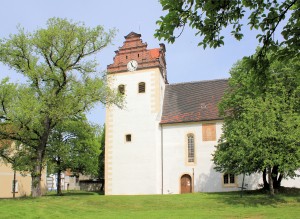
(74, 193)
(259, 197)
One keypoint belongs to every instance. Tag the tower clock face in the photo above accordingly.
(132, 65)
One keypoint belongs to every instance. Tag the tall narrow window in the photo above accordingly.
(121, 89)
(142, 87)
(191, 148)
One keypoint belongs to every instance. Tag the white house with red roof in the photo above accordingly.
(162, 141)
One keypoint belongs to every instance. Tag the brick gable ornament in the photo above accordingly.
(134, 50)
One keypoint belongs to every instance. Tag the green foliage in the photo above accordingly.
(101, 159)
(261, 120)
(62, 83)
(74, 144)
(209, 18)
(8, 153)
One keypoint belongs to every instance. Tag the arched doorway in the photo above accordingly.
(186, 184)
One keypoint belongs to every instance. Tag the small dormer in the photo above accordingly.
(134, 56)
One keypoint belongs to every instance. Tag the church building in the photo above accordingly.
(162, 140)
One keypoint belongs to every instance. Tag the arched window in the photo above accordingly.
(121, 89)
(191, 148)
(142, 87)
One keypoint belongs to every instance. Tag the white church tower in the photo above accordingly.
(133, 132)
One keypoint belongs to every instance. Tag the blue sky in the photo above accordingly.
(185, 60)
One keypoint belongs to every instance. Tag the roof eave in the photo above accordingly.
(190, 121)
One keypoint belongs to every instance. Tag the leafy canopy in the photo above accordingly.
(62, 83)
(211, 17)
(74, 144)
(261, 124)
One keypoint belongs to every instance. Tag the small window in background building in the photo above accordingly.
(128, 138)
(228, 179)
(121, 89)
(142, 87)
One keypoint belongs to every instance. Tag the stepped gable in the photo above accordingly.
(134, 49)
(193, 101)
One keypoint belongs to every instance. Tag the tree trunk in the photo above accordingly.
(270, 181)
(36, 179)
(276, 177)
(278, 182)
(14, 184)
(40, 152)
(266, 184)
(58, 189)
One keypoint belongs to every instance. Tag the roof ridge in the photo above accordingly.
(190, 82)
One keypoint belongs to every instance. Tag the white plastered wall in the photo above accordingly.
(204, 177)
(134, 167)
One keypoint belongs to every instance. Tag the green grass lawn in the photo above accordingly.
(197, 205)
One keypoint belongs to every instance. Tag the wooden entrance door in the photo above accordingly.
(186, 184)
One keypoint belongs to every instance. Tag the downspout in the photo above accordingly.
(193, 181)
(162, 158)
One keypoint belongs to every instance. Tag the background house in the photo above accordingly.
(7, 174)
(23, 182)
(69, 181)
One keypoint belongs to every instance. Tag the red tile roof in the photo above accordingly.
(154, 53)
(193, 101)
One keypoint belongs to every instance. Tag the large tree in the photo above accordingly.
(74, 144)
(210, 18)
(61, 82)
(261, 131)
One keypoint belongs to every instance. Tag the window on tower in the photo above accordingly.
(128, 138)
(142, 87)
(121, 89)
